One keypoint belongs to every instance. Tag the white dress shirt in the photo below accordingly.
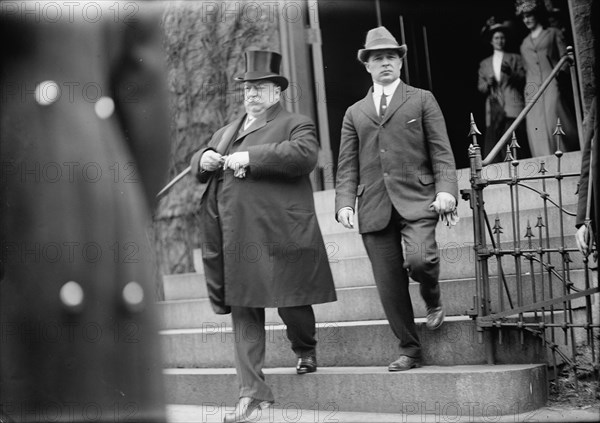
(388, 90)
(497, 64)
(249, 121)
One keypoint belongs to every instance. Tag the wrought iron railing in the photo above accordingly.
(541, 283)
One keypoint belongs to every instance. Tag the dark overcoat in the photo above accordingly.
(400, 161)
(539, 56)
(262, 245)
(78, 177)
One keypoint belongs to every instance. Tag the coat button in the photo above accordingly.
(47, 92)
(133, 297)
(104, 107)
(71, 296)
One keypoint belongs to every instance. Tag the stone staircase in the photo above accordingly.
(355, 343)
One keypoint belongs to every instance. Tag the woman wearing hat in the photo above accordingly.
(541, 50)
(501, 79)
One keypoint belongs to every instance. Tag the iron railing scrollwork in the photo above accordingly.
(543, 284)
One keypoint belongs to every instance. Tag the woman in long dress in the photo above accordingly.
(541, 50)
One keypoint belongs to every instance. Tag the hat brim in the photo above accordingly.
(489, 32)
(262, 76)
(363, 53)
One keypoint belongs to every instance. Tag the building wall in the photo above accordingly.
(584, 48)
(205, 43)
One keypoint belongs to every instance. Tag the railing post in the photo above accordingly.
(482, 253)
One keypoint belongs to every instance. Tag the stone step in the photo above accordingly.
(474, 390)
(184, 286)
(496, 196)
(462, 233)
(215, 413)
(363, 303)
(457, 262)
(455, 244)
(346, 344)
(496, 204)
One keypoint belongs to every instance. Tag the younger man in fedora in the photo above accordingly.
(395, 157)
(262, 242)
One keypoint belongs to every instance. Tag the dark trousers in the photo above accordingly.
(392, 266)
(250, 344)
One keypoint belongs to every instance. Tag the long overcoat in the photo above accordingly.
(401, 161)
(540, 55)
(262, 245)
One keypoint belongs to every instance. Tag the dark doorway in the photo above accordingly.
(451, 30)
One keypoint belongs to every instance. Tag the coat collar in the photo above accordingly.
(270, 114)
(367, 106)
(543, 34)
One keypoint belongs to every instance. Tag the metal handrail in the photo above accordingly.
(568, 57)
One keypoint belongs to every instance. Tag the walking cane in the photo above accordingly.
(221, 148)
(173, 182)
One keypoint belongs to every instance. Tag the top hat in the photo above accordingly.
(380, 39)
(263, 65)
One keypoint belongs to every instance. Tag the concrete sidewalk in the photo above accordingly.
(214, 413)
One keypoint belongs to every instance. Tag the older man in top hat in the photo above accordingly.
(395, 158)
(262, 245)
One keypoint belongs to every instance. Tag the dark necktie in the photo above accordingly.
(382, 105)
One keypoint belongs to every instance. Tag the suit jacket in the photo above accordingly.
(400, 161)
(586, 156)
(262, 245)
(509, 91)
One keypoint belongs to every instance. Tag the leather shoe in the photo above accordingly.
(435, 317)
(404, 363)
(306, 365)
(244, 409)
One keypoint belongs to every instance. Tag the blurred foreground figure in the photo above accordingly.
(84, 138)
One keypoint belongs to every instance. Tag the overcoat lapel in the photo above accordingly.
(537, 41)
(228, 134)
(260, 122)
(368, 107)
(256, 125)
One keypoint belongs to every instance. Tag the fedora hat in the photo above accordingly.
(263, 65)
(380, 39)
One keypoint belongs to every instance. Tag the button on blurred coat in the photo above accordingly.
(84, 137)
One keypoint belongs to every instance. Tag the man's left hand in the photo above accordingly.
(444, 203)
